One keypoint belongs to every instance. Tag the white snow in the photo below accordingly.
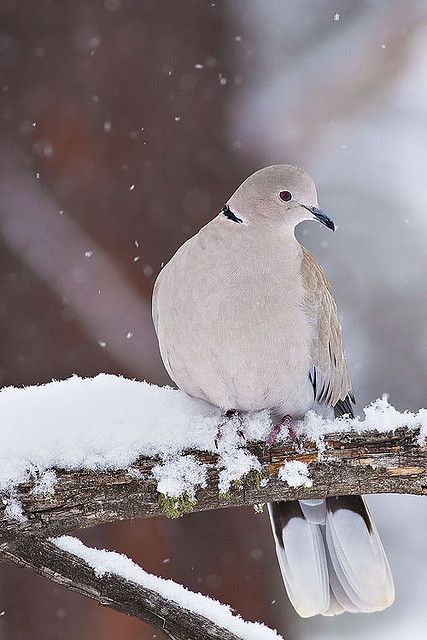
(45, 485)
(13, 510)
(108, 422)
(380, 415)
(180, 475)
(234, 464)
(109, 562)
(295, 474)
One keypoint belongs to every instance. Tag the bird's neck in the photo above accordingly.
(263, 243)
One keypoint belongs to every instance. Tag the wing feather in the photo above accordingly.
(331, 381)
(154, 309)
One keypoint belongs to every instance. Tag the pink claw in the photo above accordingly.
(272, 436)
(285, 421)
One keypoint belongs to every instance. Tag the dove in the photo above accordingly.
(246, 320)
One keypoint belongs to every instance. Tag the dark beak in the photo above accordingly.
(320, 216)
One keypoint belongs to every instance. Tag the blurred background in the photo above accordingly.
(125, 125)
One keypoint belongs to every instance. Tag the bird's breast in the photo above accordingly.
(232, 328)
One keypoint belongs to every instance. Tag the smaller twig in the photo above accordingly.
(114, 591)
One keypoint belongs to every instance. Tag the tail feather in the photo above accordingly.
(314, 510)
(302, 560)
(357, 554)
(331, 557)
(347, 601)
(334, 607)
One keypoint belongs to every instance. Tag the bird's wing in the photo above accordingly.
(329, 373)
(154, 309)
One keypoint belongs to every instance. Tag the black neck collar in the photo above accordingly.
(230, 215)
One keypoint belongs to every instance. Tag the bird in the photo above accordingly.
(246, 320)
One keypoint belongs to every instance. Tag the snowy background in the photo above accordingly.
(125, 125)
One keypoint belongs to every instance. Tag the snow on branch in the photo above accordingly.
(117, 582)
(78, 453)
(81, 452)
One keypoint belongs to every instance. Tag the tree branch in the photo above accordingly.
(351, 463)
(347, 463)
(113, 591)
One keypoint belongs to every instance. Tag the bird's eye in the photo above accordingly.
(285, 195)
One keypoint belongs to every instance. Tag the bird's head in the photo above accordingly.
(279, 194)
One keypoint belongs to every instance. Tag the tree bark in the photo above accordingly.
(351, 463)
(113, 591)
(346, 463)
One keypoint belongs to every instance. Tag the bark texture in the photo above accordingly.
(351, 463)
(345, 463)
(112, 591)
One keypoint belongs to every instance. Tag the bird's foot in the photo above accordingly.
(286, 421)
(228, 415)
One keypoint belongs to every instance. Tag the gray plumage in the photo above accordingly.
(246, 320)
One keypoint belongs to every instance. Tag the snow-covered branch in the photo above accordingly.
(345, 463)
(114, 581)
(83, 452)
